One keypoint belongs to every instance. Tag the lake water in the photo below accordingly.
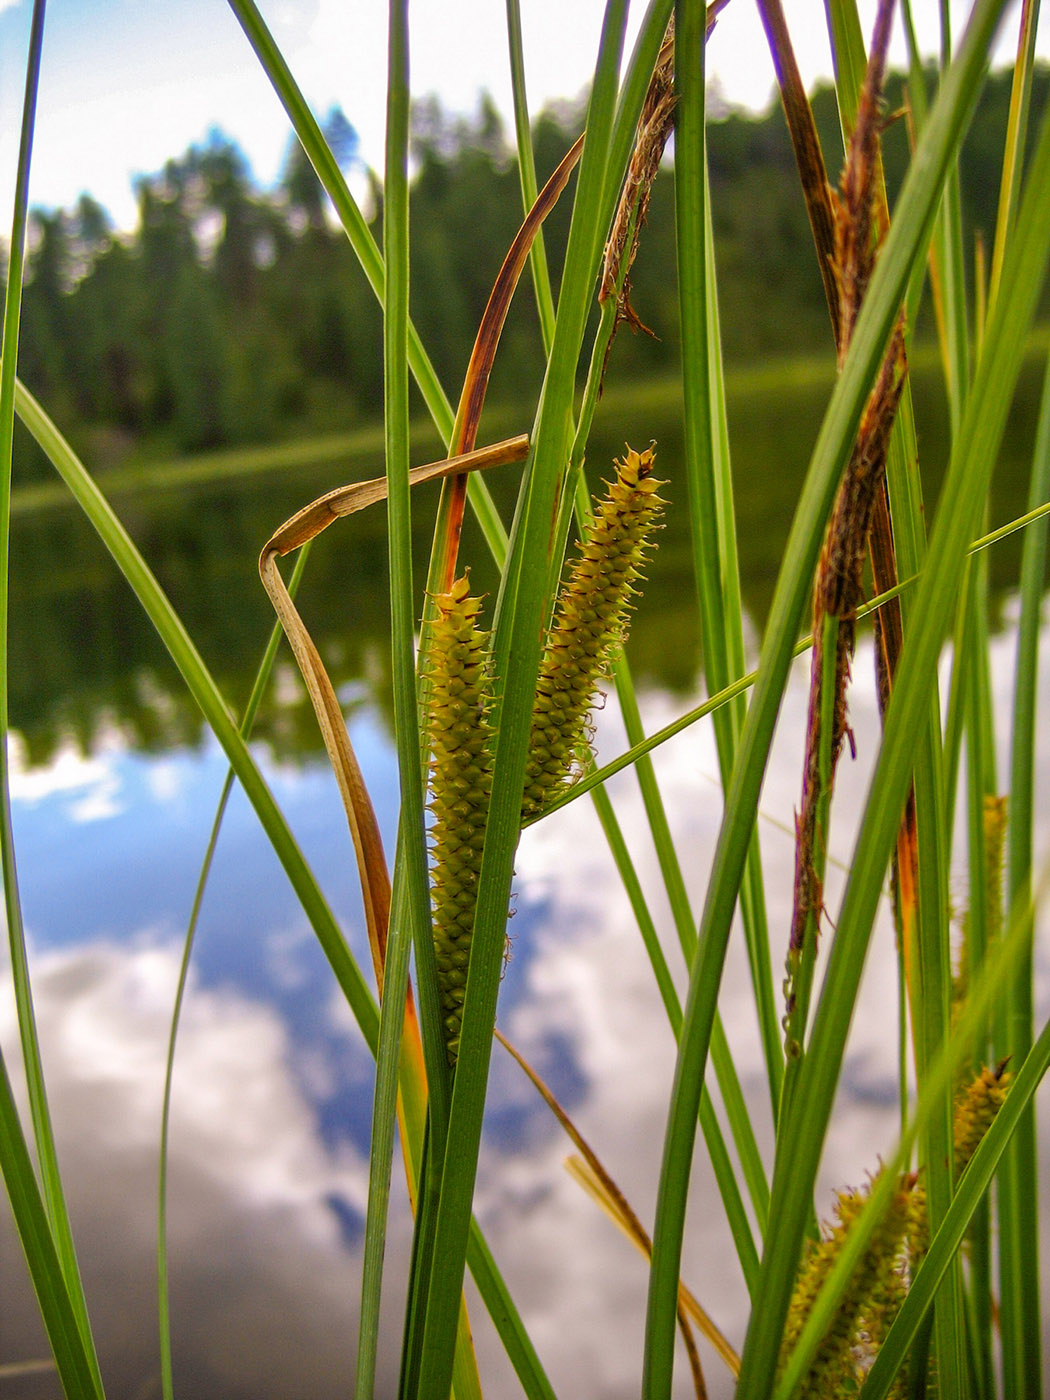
(114, 790)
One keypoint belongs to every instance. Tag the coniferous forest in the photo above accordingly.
(231, 314)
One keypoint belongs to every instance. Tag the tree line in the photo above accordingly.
(234, 314)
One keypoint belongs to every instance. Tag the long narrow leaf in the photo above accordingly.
(907, 239)
(971, 465)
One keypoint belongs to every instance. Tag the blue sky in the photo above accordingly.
(128, 83)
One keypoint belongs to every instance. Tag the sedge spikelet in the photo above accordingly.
(975, 1110)
(868, 1305)
(590, 622)
(459, 737)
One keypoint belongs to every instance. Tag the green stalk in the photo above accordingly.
(1018, 1194)
(364, 245)
(982, 925)
(713, 527)
(648, 44)
(521, 613)
(729, 1190)
(54, 1268)
(946, 1243)
(929, 957)
(414, 925)
(541, 279)
(972, 460)
(1017, 1188)
(262, 678)
(996, 972)
(906, 240)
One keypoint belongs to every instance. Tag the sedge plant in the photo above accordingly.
(492, 720)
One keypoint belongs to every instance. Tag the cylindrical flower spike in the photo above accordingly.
(590, 621)
(459, 738)
(975, 1110)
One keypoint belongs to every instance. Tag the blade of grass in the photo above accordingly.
(729, 1189)
(946, 1243)
(1018, 1191)
(922, 847)
(521, 611)
(414, 927)
(207, 696)
(64, 1251)
(972, 460)
(75, 1362)
(945, 1068)
(906, 239)
(357, 231)
(262, 677)
(710, 486)
(646, 50)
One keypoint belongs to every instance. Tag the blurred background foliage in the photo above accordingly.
(233, 327)
(232, 314)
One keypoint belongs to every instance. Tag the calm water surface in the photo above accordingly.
(114, 790)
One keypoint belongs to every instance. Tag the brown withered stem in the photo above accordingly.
(654, 127)
(805, 141)
(837, 593)
(838, 588)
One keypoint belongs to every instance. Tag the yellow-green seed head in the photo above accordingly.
(975, 1110)
(459, 736)
(867, 1307)
(590, 622)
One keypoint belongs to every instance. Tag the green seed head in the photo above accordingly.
(590, 622)
(459, 735)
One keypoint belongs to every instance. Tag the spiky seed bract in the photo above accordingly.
(890, 1261)
(867, 1307)
(590, 622)
(459, 738)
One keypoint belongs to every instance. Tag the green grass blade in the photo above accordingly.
(76, 1363)
(945, 1244)
(364, 245)
(413, 905)
(64, 1251)
(521, 611)
(971, 465)
(516, 1341)
(930, 956)
(206, 693)
(1017, 1187)
(993, 976)
(1018, 1193)
(1016, 135)
(713, 528)
(262, 678)
(541, 279)
(906, 241)
(331, 177)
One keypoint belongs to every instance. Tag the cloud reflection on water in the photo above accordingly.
(272, 1086)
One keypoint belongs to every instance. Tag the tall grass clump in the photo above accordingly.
(928, 1278)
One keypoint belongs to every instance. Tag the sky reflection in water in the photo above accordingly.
(273, 1085)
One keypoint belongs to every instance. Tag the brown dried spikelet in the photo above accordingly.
(655, 125)
(459, 736)
(590, 622)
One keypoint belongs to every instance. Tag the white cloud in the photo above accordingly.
(92, 784)
(263, 1288)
